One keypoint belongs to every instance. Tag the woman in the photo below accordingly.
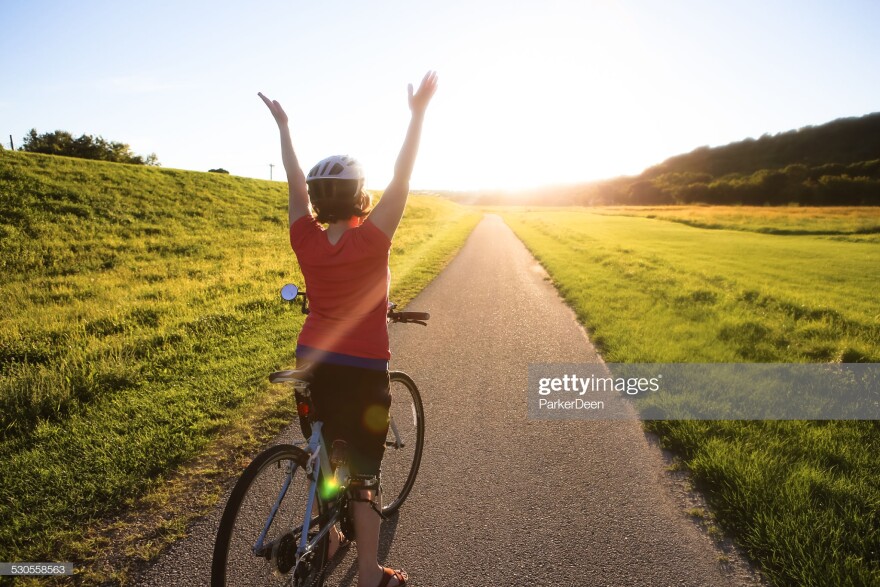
(345, 336)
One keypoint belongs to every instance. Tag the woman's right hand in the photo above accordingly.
(276, 110)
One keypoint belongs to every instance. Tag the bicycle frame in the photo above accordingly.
(318, 460)
(398, 443)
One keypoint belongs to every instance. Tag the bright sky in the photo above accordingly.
(531, 93)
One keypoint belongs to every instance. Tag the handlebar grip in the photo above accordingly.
(408, 316)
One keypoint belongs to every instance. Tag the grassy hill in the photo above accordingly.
(140, 318)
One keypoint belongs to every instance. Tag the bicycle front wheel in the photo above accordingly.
(403, 444)
(238, 559)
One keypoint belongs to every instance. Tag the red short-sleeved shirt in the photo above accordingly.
(347, 286)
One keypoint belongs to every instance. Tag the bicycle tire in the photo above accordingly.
(245, 515)
(400, 465)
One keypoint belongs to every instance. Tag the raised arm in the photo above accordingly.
(388, 212)
(298, 192)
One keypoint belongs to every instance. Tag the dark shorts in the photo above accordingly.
(353, 403)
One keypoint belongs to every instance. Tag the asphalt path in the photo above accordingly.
(502, 499)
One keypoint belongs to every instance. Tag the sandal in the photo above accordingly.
(388, 574)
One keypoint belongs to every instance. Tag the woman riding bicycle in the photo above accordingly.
(344, 340)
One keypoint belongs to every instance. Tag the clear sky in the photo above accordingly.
(531, 93)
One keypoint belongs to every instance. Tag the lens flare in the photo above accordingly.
(376, 419)
(330, 488)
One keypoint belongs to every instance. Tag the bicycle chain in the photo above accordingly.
(321, 572)
(314, 581)
(323, 568)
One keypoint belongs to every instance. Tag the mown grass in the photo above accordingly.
(803, 498)
(844, 222)
(140, 318)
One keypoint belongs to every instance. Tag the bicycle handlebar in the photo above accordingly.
(409, 317)
(291, 292)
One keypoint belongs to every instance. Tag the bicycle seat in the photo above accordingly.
(294, 375)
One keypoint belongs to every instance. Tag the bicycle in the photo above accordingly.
(275, 527)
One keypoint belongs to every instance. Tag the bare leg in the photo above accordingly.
(335, 541)
(366, 524)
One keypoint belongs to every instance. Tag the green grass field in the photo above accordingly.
(803, 498)
(841, 223)
(140, 318)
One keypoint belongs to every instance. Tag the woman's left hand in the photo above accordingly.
(418, 102)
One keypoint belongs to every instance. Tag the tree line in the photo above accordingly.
(834, 164)
(61, 142)
(837, 163)
(846, 140)
(831, 184)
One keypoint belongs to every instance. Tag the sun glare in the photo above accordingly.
(543, 102)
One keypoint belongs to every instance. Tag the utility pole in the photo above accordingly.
(270, 170)
(11, 146)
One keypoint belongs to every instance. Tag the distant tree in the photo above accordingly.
(864, 169)
(643, 193)
(218, 170)
(694, 192)
(848, 191)
(62, 142)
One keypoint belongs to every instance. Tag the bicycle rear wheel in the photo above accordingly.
(249, 506)
(403, 444)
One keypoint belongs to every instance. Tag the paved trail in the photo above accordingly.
(500, 499)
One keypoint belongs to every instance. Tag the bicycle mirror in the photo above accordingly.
(289, 292)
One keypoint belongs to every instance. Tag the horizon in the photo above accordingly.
(526, 191)
(566, 94)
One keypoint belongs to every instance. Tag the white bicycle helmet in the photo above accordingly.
(337, 167)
